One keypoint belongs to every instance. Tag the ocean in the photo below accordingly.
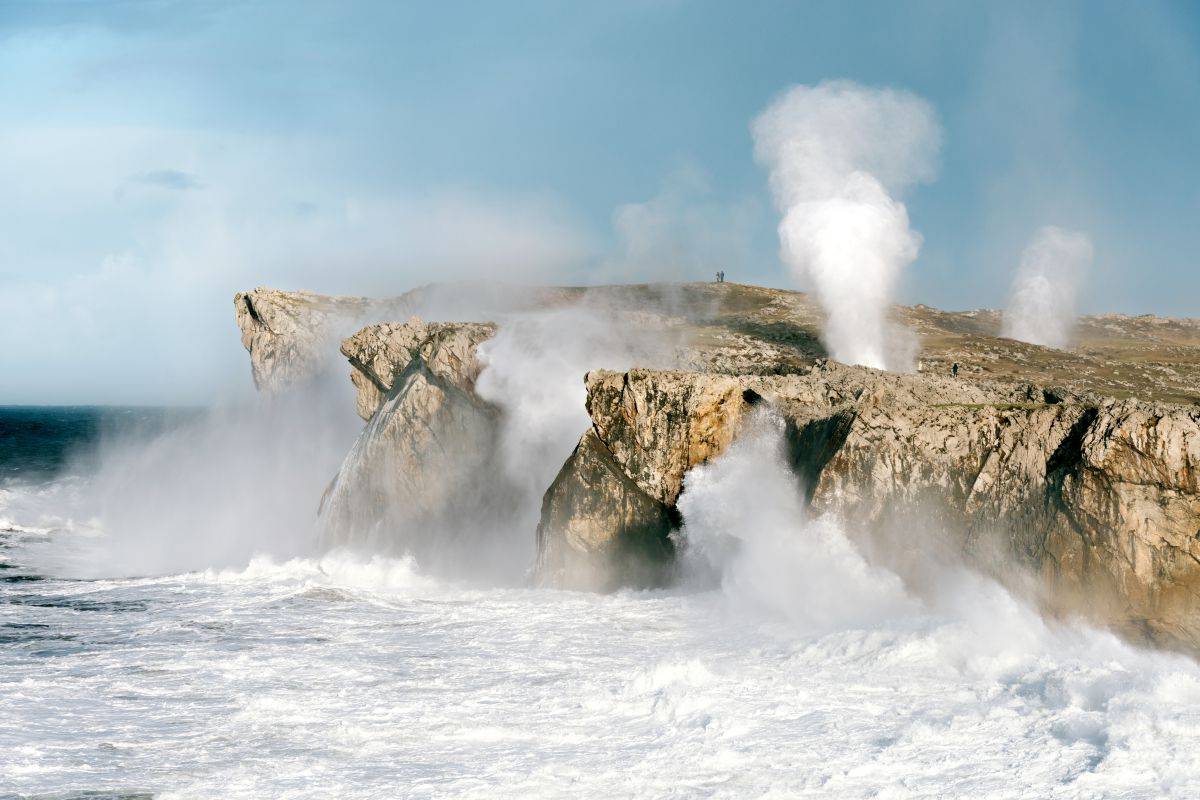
(170, 628)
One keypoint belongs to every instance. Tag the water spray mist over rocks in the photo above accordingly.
(1041, 307)
(838, 155)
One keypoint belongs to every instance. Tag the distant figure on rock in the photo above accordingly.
(954, 370)
(720, 276)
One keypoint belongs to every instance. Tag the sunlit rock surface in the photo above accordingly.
(290, 335)
(420, 477)
(1075, 469)
(379, 354)
(599, 530)
(1098, 497)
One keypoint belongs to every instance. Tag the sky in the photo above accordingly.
(156, 157)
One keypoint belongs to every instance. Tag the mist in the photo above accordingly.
(212, 491)
(839, 155)
(777, 566)
(746, 524)
(466, 502)
(533, 371)
(1041, 305)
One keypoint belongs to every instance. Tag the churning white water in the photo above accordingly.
(806, 672)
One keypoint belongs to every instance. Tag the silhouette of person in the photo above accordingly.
(954, 370)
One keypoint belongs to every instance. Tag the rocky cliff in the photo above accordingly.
(741, 329)
(424, 462)
(290, 335)
(1096, 496)
(1076, 468)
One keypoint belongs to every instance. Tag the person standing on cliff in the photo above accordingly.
(954, 370)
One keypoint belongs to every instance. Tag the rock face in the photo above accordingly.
(379, 354)
(1089, 485)
(424, 461)
(738, 329)
(1099, 497)
(599, 531)
(289, 335)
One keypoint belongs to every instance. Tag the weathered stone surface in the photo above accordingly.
(738, 330)
(290, 335)
(379, 353)
(1090, 483)
(1099, 497)
(599, 530)
(421, 472)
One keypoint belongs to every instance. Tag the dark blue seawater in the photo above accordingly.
(40, 442)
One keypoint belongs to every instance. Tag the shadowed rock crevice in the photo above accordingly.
(251, 311)
(1069, 454)
(812, 444)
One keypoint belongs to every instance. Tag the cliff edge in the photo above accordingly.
(1073, 472)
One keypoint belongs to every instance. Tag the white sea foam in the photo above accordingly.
(810, 672)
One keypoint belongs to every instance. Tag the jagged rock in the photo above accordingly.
(1090, 482)
(738, 329)
(379, 353)
(1100, 497)
(599, 530)
(421, 472)
(289, 335)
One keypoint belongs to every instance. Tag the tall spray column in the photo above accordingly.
(838, 155)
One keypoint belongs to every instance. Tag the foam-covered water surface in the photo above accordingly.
(145, 650)
(357, 677)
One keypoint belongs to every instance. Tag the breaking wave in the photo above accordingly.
(789, 664)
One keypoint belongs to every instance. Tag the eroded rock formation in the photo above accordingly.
(379, 354)
(290, 335)
(1097, 496)
(1088, 484)
(424, 462)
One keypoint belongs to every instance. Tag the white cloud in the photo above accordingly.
(117, 294)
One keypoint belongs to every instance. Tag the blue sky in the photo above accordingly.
(158, 156)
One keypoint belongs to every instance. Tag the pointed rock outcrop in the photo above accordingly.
(291, 335)
(421, 472)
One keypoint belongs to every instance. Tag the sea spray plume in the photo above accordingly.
(473, 425)
(1041, 307)
(233, 482)
(837, 153)
(745, 520)
(747, 525)
(533, 371)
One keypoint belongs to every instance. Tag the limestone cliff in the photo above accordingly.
(289, 335)
(1080, 466)
(379, 354)
(739, 329)
(423, 462)
(1099, 497)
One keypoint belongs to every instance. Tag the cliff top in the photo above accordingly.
(732, 327)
